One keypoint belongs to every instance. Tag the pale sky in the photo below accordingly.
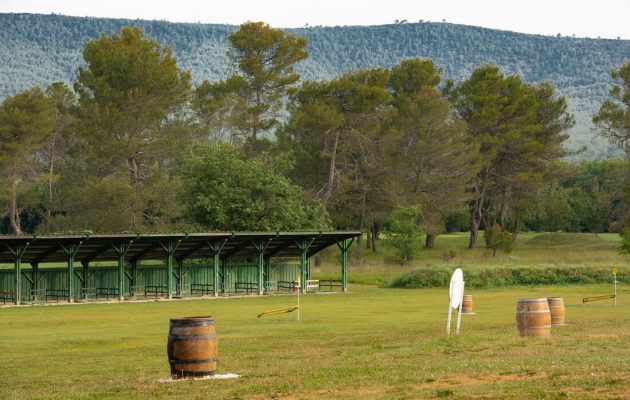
(601, 18)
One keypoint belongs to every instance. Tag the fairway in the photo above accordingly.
(368, 343)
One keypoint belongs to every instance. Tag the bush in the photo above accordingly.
(405, 234)
(503, 277)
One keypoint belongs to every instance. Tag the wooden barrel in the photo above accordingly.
(533, 318)
(556, 308)
(467, 304)
(192, 347)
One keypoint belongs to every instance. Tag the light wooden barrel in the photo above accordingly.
(192, 347)
(467, 304)
(556, 308)
(533, 318)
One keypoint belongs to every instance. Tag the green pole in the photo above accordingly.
(18, 277)
(86, 276)
(261, 269)
(215, 273)
(71, 255)
(18, 252)
(121, 275)
(169, 268)
(170, 249)
(180, 276)
(344, 246)
(303, 246)
(303, 269)
(344, 269)
(121, 251)
(134, 277)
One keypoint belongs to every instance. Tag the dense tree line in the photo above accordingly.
(134, 146)
(40, 49)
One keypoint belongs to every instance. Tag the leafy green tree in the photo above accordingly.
(498, 239)
(26, 121)
(56, 151)
(613, 119)
(132, 129)
(519, 129)
(226, 190)
(336, 131)
(264, 58)
(405, 233)
(432, 157)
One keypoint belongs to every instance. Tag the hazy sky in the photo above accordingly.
(605, 18)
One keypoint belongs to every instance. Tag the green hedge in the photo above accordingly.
(501, 277)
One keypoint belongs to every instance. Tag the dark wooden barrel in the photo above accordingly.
(467, 304)
(533, 318)
(556, 308)
(192, 347)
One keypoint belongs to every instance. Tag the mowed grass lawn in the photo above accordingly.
(368, 343)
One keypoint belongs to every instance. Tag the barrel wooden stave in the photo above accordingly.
(467, 304)
(556, 308)
(192, 347)
(533, 318)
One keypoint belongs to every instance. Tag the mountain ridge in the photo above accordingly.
(37, 49)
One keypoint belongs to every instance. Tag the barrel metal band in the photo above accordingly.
(197, 361)
(191, 337)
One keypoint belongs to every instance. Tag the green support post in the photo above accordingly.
(86, 275)
(179, 276)
(134, 277)
(344, 246)
(216, 248)
(34, 276)
(223, 274)
(18, 252)
(71, 250)
(170, 249)
(260, 248)
(303, 246)
(121, 249)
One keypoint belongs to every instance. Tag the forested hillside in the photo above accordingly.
(40, 49)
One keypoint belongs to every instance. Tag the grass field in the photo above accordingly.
(368, 343)
(535, 250)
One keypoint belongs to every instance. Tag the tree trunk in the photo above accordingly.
(51, 172)
(475, 221)
(374, 235)
(368, 245)
(517, 224)
(362, 219)
(477, 212)
(502, 208)
(14, 212)
(331, 172)
(430, 240)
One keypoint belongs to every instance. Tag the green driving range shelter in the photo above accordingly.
(168, 265)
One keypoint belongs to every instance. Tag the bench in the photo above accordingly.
(36, 295)
(157, 290)
(103, 291)
(248, 287)
(4, 296)
(57, 294)
(312, 285)
(88, 292)
(330, 284)
(291, 286)
(201, 288)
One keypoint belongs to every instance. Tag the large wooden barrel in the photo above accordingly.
(192, 347)
(467, 304)
(533, 318)
(556, 308)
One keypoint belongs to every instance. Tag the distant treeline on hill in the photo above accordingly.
(40, 49)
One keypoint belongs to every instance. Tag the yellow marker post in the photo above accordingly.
(613, 272)
(298, 299)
